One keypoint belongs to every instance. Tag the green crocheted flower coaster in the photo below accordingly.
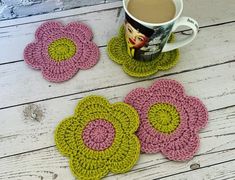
(118, 53)
(99, 138)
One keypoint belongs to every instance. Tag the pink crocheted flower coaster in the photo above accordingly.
(60, 51)
(169, 119)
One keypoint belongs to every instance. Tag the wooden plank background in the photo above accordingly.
(10, 9)
(206, 69)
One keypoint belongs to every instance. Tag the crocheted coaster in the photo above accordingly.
(99, 138)
(169, 119)
(118, 53)
(60, 51)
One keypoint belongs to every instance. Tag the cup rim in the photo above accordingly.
(153, 24)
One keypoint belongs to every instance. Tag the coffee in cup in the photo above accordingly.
(152, 11)
(149, 24)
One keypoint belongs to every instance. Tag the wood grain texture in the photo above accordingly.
(56, 15)
(217, 147)
(18, 77)
(214, 85)
(31, 107)
(25, 34)
(220, 171)
(103, 23)
(20, 8)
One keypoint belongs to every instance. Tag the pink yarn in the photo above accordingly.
(98, 135)
(86, 55)
(181, 144)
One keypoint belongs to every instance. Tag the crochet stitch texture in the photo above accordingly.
(99, 138)
(169, 119)
(60, 51)
(117, 52)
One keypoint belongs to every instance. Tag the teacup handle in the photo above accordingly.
(182, 21)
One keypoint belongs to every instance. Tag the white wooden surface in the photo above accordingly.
(206, 69)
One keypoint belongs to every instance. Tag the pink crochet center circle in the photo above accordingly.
(98, 135)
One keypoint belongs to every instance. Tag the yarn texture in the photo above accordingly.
(169, 119)
(99, 138)
(60, 51)
(117, 51)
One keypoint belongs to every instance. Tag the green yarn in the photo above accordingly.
(164, 117)
(62, 49)
(87, 163)
(118, 53)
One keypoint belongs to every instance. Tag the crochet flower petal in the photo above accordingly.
(92, 104)
(151, 142)
(88, 168)
(32, 55)
(90, 56)
(64, 138)
(83, 30)
(183, 147)
(47, 29)
(168, 60)
(115, 49)
(126, 156)
(127, 116)
(136, 98)
(140, 68)
(59, 73)
(169, 88)
(197, 112)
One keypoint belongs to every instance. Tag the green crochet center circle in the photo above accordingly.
(164, 117)
(62, 49)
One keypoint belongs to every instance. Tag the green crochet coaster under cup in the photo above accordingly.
(117, 52)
